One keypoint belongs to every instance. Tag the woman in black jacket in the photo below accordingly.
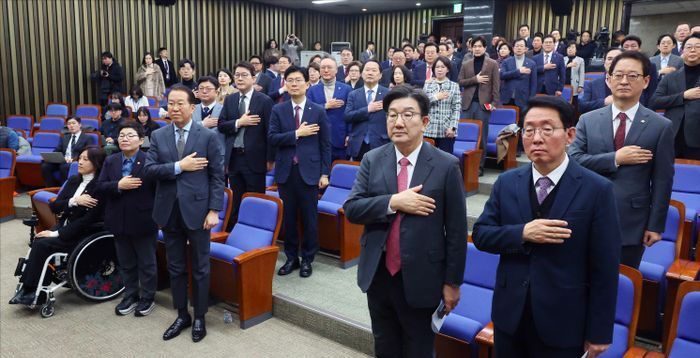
(143, 117)
(79, 208)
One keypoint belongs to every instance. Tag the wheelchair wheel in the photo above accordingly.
(47, 310)
(93, 269)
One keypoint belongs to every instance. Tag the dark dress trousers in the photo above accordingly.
(247, 165)
(75, 223)
(432, 247)
(181, 205)
(552, 80)
(550, 298)
(298, 182)
(128, 216)
(642, 191)
(49, 169)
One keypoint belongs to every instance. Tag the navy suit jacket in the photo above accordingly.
(553, 79)
(456, 67)
(313, 152)
(572, 286)
(336, 116)
(363, 122)
(257, 149)
(385, 64)
(127, 212)
(593, 97)
(518, 85)
(198, 191)
(274, 91)
(265, 82)
(418, 78)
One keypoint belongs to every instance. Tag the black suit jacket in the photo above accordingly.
(78, 148)
(265, 82)
(171, 71)
(127, 212)
(433, 247)
(75, 222)
(669, 96)
(257, 149)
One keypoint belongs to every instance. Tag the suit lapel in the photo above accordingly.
(639, 124)
(569, 185)
(172, 146)
(192, 139)
(606, 129)
(390, 169)
(138, 164)
(423, 166)
(522, 194)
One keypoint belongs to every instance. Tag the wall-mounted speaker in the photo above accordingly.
(562, 7)
(165, 2)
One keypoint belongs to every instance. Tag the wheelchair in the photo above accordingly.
(91, 269)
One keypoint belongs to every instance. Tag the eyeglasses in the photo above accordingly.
(546, 131)
(689, 47)
(406, 116)
(617, 76)
(241, 75)
(127, 136)
(295, 80)
(206, 88)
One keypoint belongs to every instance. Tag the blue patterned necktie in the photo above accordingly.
(126, 167)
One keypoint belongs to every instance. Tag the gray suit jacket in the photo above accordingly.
(215, 113)
(364, 56)
(642, 191)
(669, 97)
(198, 191)
(433, 247)
(673, 61)
(578, 73)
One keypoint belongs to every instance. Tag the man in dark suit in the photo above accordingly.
(666, 62)
(683, 31)
(244, 120)
(555, 226)
(633, 147)
(410, 198)
(678, 94)
(480, 78)
(445, 49)
(519, 76)
(167, 67)
(551, 70)
(423, 72)
(389, 54)
(186, 161)
(596, 93)
(299, 133)
(364, 112)
(344, 68)
(397, 59)
(524, 33)
(129, 199)
(71, 145)
(634, 43)
(262, 82)
(332, 95)
(278, 90)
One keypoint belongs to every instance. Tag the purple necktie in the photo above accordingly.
(542, 185)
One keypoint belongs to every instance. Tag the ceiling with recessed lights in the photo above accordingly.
(341, 7)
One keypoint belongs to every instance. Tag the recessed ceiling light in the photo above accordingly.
(364, 9)
(321, 2)
(417, 4)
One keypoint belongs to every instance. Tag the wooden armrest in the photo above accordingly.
(252, 254)
(53, 189)
(684, 270)
(470, 169)
(652, 354)
(635, 352)
(272, 187)
(219, 237)
(485, 336)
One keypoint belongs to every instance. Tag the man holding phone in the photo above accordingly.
(292, 47)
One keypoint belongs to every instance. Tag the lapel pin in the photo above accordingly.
(643, 121)
(139, 163)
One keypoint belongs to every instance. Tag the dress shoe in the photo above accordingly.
(23, 297)
(199, 330)
(305, 270)
(175, 328)
(126, 306)
(16, 298)
(288, 267)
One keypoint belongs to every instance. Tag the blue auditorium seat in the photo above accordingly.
(242, 268)
(90, 123)
(41, 198)
(686, 190)
(87, 110)
(152, 101)
(29, 166)
(57, 109)
(567, 93)
(466, 149)
(473, 312)
(52, 124)
(160, 122)
(21, 122)
(500, 118)
(593, 75)
(270, 178)
(335, 233)
(628, 303)
(155, 112)
(7, 183)
(686, 323)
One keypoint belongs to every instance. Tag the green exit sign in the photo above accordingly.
(457, 8)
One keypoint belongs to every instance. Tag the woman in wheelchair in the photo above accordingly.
(78, 208)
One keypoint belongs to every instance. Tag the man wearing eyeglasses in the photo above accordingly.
(555, 227)
(633, 147)
(244, 121)
(678, 94)
(208, 110)
(409, 196)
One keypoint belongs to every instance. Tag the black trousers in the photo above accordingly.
(445, 144)
(41, 250)
(526, 343)
(682, 149)
(631, 255)
(364, 148)
(48, 170)
(338, 154)
(299, 197)
(476, 111)
(243, 180)
(177, 235)
(137, 261)
(399, 330)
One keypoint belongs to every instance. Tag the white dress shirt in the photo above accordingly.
(630, 118)
(412, 159)
(555, 175)
(69, 148)
(246, 102)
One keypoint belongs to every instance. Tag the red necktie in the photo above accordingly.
(428, 74)
(347, 71)
(620, 133)
(393, 245)
(296, 119)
